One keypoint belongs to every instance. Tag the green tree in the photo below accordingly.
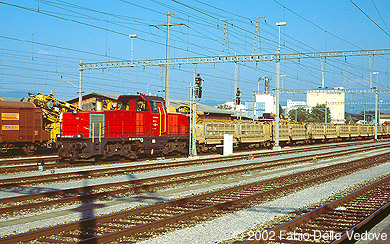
(299, 115)
(317, 114)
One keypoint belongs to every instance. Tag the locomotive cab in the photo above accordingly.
(139, 102)
(153, 108)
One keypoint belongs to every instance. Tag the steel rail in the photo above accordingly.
(26, 160)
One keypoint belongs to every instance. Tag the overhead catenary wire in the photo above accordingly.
(388, 31)
(373, 21)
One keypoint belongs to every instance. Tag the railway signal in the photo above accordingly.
(198, 86)
(238, 96)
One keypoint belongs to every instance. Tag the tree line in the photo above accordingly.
(315, 115)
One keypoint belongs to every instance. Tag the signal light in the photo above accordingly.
(198, 86)
(238, 96)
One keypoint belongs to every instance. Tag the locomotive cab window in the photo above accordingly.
(123, 105)
(141, 105)
(153, 107)
(162, 107)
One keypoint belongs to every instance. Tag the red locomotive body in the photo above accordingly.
(21, 126)
(139, 125)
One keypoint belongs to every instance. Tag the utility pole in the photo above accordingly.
(132, 36)
(326, 107)
(277, 146)
(196, 94)
(168, 67)
(225, 39)
(235, 83)
(364, 114)
(283, 76)
(323, 61)
(254, 105)
(371, 60)
(346, 85)
(376, 104)
(80, 85)
(257, 42)
(193, 119)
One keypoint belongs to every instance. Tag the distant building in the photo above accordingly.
(294, 105)
(264, 103)
(334, 99)
(240, 111)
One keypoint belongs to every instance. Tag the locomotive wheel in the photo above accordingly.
(29, 149)
(167, 149)
(72, 153)
(198, 148)
(130, 151)
(269, 144)
(109, 150)
(203, 148)
(182, 148)
(185, 147)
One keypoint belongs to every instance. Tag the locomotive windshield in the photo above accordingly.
(141, 105)
(123, 104)
(157, 107)
(153, 106)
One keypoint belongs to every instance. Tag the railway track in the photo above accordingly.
(28, 160)
(53, 163)
(54, 199)
(130, 226)
(106, 172)
(334, 222)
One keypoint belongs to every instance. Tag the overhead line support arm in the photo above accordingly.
(229, 59)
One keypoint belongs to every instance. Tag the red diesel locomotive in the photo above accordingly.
(140, 125)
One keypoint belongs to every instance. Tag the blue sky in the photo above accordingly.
(41, 41)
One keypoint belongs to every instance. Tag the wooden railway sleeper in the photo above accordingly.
(351, 211)
(322, 227)
(345, 218)
(331, 223)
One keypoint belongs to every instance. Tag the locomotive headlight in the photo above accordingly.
(79, 136)
(75, 112)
